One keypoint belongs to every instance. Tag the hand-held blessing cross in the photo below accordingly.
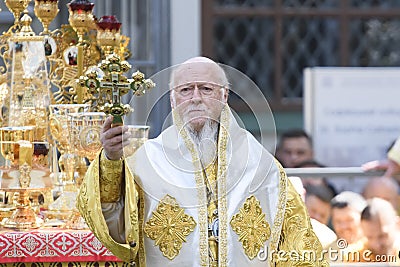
(113, 85)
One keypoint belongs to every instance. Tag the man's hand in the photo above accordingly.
(391, 167)
(113, 139)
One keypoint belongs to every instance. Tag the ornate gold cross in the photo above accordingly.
(169, 226)
(105, 92)
(251, 227)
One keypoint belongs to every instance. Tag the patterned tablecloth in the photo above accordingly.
(52, 245)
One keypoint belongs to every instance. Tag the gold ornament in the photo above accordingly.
(105, 93)
(46, 11)
(251, 227)
(16, 7)
(85, 133)
(169, 227)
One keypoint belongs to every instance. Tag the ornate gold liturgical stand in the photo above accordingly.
(55, 91)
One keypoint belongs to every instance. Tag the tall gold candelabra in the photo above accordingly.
(56, 68)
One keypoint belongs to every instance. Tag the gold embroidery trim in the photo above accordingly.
(278, 221)
(169, 226)
(251, 227)
(222, 191)
(110, 179)
(297, 234)
(90, 208)
(201, 192)
(141, 251)
(221, 178)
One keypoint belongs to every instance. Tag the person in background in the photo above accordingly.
(294, 146)
(346, 215)
(315, 180)
(383, 187)
(318, 202)
(380, 224)
(311, 180)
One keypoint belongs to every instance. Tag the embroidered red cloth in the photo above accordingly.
(50, 245)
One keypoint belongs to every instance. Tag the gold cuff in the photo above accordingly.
(110, 179)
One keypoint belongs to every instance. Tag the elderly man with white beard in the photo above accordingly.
(203, 193)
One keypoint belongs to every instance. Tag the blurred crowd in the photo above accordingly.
(361, 227)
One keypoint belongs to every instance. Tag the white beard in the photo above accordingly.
(206, 141)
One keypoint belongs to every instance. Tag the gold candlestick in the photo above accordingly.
(79, 93)
(24, 217)
(81, 20)
(108, 35)
(16, 7)
(81, 17)
(46, 11)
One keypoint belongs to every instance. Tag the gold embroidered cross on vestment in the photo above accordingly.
(251, 227)
(169, 226)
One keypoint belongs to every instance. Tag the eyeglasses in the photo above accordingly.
(205, 89)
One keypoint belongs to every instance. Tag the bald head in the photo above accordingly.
(384, 188)
(379, 209)
(346, 214)
(379, 222)
(198, 69)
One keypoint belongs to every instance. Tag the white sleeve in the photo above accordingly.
(114, 215)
